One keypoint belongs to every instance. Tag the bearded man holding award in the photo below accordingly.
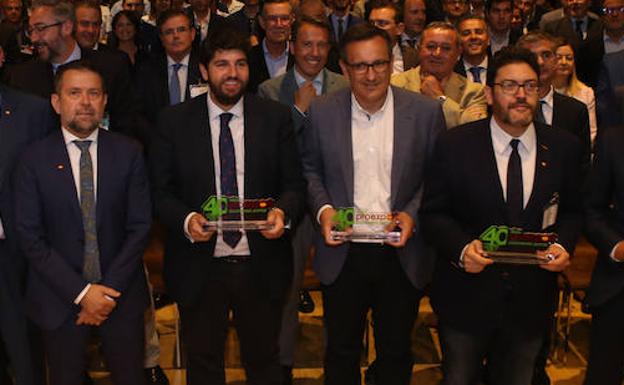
(514, 173)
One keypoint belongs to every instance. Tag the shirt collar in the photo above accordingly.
(69, 137)
(483, 64)
(360, 110)
(266, 51)
(300, 79)
(548, 99)
(214, 110)
(75, 55)
(608, 38)
(184, 61)
(501, 139)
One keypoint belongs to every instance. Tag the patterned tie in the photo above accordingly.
(91, 267)
(229, 186)
(514, 185)
(579, 29)
(174, 85)
(539, 112)
(476, 73)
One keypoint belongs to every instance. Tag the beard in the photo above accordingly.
(511, 117)
(223, 97)
(85, 128)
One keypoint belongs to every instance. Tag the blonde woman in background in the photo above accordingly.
(567, 83)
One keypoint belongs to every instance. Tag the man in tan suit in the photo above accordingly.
(462, 100)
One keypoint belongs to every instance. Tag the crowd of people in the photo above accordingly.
(443, 118)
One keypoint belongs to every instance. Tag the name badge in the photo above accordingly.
(197, 89)
(550, 211)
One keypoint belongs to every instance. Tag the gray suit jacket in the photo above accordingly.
(328, 168)
(282, 89)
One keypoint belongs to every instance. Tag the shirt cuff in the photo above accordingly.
(612, 254)
(82, 294)
(304, 114)
(460, 262)
(318, 213)
(2, 235)
(187, 234)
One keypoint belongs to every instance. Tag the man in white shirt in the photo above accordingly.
(475, 40)
(366, 148)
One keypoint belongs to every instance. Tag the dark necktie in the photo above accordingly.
(514, 185)
(229, 186)
(476, 73)
(539, 112)
(340, 29)
(579, 29)
(174, 85)
(410, 42)
(91, 264)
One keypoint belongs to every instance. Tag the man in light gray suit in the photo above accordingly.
(367, 148)
(297, 88)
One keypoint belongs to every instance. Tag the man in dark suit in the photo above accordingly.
(25, 119)
(271, 58)
(171, 77)
(366, 148)
(238, 147)
(475, 41)
(51, 28)
(498, 15)
(531, 14)
(341, 19)
(415, 19)
(610, 92)
(386, 15)
(88, 25)
(585, 33)
(554, 108)
(83, 214)
(605, 230)
(512, 170)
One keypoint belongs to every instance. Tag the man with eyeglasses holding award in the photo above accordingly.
(365, 152)
(501, 207)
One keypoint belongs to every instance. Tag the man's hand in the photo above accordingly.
(97, 304)
(304, 96)
(474, 258)
(327, 224)
(405, 222)
(618, 252)
(431, 86)
(561, 258)
(276, 217)
(196, 228)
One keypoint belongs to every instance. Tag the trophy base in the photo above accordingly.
(392, 236)
(238, 225)
(517, 258)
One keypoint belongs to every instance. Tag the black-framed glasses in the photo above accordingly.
(612, 10)
(510, 87)
(39, 28)
(378, 66)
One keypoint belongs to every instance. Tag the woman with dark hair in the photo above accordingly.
(124, 37)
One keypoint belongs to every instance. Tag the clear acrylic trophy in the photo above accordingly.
(512, 245)
(230, 214)
(353, 225)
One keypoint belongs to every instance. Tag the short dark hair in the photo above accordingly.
(132, 18)
(469, 16)
(362, 32)
(224, 37)
(378, 4)
(169, 14)
(78, 65)
(93, 4)
(511, 55)
(62, 10)
(444, 26)
(265, 2)
(490, 3)
(305, 19)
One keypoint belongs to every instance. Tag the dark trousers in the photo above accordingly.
(231, 286)
(122, 346)
(509, 353)
(606, 348)
(371, 278)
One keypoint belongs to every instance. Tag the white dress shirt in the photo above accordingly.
(482, 74)
(498, 42)
(611, 45)
(74, 161)
(202, 25)
(275, 65)
(372, 141)
(397, 59)
(182, 73)
(548, 106)
(233, 7)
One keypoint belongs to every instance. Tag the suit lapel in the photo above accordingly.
(288, 88)
(63, 175)
(163, 78)
(454, 88)
(105, 157)
(253, 137)
(543, 161)
(401, 146)
(193, 75)
(489, 172)
(345, 137)
(200, 144)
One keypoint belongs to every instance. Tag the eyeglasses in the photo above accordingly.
(611, 11)
(172, 31)
(378, 66)
(39, 28)
(511, 87)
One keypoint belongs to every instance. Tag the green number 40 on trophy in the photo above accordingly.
(506, 244)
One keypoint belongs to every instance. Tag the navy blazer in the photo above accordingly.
(51, 235)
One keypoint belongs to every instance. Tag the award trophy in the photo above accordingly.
(229, 214)
(354, 225)
(512, 245)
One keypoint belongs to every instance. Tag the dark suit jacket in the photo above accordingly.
(183, 177)
(351, 21)
(51, 235)
(258, 71)
(461, 70)
(328, 168)
(572, 116)
(36, 77)
(410, 57)
(463, 197)
(610, 92)
(589, 52)
(604, 209)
